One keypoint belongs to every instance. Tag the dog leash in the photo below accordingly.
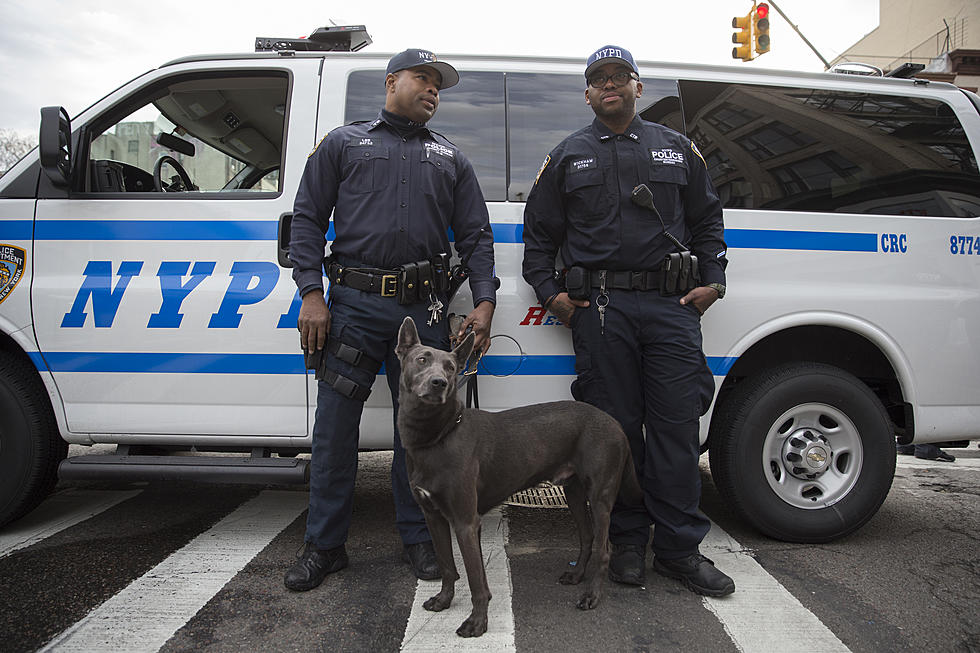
(472, 386)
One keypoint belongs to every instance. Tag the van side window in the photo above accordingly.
(822, 150)
(542, 109)
(470, 114)
(191, 133)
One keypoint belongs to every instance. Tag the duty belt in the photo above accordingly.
(411, 283)
(626, 279)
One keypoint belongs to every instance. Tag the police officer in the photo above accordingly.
(638, 352)
(394, 188)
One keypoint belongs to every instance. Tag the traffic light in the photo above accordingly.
(760, 28)
(743, 37)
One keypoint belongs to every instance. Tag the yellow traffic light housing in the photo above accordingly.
(760, 28)
(743, 37)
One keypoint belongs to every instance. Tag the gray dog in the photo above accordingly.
(463, 462)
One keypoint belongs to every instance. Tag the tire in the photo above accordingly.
(805, 452)
(30, 446)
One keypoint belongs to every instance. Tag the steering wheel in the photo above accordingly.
(176, 185)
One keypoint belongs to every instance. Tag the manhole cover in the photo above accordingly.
(545, 495)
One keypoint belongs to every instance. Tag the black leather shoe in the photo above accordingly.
(698, 573)
(627, 564)
(422, 557)
(313, 566)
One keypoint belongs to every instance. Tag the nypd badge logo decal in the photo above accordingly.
(11, 268)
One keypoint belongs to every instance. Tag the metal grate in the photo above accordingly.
(545, 495)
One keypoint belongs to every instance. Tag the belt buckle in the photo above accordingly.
(388, 285)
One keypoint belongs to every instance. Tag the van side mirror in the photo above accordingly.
(54, 145)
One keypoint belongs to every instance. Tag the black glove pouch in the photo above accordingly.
(577, 283)
(679, 273)
(408, 284)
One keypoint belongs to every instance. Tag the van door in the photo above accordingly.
(158, 301)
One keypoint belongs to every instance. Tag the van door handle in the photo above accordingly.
(285, 223)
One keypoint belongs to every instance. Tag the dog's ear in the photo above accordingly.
(408, 336)
(463, 350)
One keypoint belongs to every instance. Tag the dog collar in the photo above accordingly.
(448, 428)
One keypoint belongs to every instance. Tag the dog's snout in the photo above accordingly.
(438, 383)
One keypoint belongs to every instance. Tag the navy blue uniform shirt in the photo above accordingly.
(581, 205)
(393, 193)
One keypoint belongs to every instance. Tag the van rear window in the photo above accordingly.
(822, 150)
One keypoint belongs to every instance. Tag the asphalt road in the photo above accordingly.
(131, 566)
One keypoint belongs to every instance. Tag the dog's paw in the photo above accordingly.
(473, 626)
(570, 578)
(588, 601)
(437, 603)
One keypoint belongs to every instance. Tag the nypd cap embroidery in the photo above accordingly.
(11, 268)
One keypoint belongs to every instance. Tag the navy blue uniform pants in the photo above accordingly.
(647, 369)
(369, 323)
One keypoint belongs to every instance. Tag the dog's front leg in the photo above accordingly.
(468, 538)
(443, 544)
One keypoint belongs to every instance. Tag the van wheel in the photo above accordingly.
(30, 446)
(805, 452)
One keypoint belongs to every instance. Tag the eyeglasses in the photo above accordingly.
(619, 79)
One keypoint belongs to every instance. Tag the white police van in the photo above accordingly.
(143, 302)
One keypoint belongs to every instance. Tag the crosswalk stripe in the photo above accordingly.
(145, 614)
(753, 615)
(56, 513)
(436, 631)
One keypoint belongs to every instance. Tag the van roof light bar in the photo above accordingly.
(334, 38)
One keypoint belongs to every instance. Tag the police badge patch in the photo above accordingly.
(11, 268)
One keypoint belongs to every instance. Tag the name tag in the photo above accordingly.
(359, 141)
(583, 164)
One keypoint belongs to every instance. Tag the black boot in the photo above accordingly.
(627, 564)
(313, 566)
(422, 557)
(698, 573)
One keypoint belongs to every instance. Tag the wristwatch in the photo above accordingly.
(719, 288)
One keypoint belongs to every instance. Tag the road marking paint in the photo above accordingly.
(56, 513)
(144, 615)
(436, 631)
(751, 616)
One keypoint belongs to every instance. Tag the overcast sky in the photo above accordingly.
(72, 53)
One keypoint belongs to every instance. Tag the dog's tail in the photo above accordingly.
(630, 493)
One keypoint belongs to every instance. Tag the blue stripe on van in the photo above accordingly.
(16, 229)
(509, 233)
(156, 230)
(808, 240)
(174, 363)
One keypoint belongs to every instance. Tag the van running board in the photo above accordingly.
(259, 468)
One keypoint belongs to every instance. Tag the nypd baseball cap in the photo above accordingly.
(412, 57)
(609, 54)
